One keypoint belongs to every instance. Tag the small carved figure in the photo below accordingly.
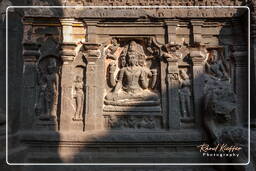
(216, 67)
(49, 93)
(171, 51)
(185, 94)
(133, 78)
(112, 49)
(79, 96)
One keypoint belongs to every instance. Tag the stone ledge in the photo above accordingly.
(175, 136)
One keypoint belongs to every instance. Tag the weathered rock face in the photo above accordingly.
(131, 85)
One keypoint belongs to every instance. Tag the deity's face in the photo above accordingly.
(214, 56)
(132, 59)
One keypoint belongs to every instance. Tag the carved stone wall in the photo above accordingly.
(136, 81)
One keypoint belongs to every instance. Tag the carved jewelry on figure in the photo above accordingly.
(79, 97)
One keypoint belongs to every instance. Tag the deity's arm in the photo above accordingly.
(207, 67)
(223, 69)
(144, 78)
(112, 68)
(120, 77)
(154, 76)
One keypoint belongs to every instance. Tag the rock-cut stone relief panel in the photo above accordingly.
(134, 80)
(185, 96)
(48, 82)
(79, 93)
(132, 71)
(219, 97)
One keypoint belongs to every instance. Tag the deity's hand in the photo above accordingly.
(112, 67)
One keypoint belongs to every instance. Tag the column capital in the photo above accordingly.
(197, 22)
(92, 51)
(68, 51)
(197, 56)
(67, 21)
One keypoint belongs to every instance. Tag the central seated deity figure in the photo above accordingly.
(134, 79)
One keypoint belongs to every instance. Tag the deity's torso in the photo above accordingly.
(79, 88)
(131, 78)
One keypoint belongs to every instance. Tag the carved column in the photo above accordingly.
(241, 82)
(67, 54)
(173, 93)
(197, 31)
(92, 55)
(30, 56)
(198, 58)
(171, 31)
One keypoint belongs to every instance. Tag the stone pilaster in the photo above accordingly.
(240, 55)
(198, 58)
(171, 27)
(30, 56)
(173, 93)
(197, 31)
(67, 55)
(92, 55)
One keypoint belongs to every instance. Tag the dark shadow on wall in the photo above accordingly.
(103, 148)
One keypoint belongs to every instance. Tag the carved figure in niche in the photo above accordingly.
(185, 95)
(48, 95)
(171, 51)
(79, 97)
(112, 49)
(216, 67)
(133, 79)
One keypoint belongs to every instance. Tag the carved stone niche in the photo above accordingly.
(179, 82)
(133, 94)
(79, 88)
(187, 118)
(48, 92)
